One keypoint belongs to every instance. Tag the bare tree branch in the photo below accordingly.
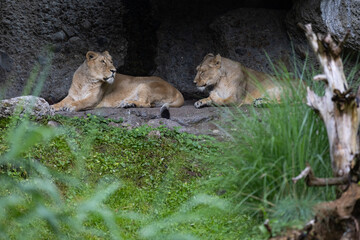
(320, 77)
(311, 180)
(313, 100)
(267, 226)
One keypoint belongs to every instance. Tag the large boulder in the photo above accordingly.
(333, 16)
(32, 106)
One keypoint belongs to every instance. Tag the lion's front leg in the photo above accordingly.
(84, 104)
(69, 105)
(215, 99)
(64, 105)
(203, 102)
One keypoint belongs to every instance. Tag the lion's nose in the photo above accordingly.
(113, 71)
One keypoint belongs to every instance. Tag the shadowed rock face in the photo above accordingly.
(335, 17)
(252, 36)
(29, 30)
(243, 35)
(188, 30)
(167, 38)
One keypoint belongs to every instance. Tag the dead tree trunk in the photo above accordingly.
(339, 109)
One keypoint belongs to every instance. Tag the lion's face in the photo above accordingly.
(208, 72)
(101, 66)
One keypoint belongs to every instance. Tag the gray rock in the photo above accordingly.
(5, 61)
(75, 40)
(248, 35)
(181, 47)
(186, 118)
(340, 17)
(86, 24)
(30, 105)
(333, 16)
(163, 122)
(59, 36)
(70, 31)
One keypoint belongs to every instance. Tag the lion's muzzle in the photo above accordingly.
(202, 88)
(110, 79)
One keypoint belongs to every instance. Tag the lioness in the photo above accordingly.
(96, 84)
(232, 82)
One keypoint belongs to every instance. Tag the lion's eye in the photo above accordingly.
(103, 61)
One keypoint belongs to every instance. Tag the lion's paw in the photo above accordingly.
(199, 104)
(52, 108)
(127, 105)
(261, 102)
(67, 109)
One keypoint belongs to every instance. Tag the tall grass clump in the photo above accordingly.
(269, 146)
(32, 203)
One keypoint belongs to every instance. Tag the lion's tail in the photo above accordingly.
(164, 111)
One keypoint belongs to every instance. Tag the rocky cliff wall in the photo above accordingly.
(68, 28)
(165, 38)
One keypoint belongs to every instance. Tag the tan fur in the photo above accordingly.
(95, 85)
(232, 82)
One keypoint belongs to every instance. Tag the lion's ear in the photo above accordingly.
(218, 59)
(208, 55)
(106, 53)
(90, 55)
(216, 62)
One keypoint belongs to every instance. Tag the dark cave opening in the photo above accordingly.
(140, 27)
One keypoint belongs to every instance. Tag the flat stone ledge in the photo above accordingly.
(186, 118)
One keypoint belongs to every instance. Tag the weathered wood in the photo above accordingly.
(338, 107)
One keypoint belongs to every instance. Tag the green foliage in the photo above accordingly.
(90, 179)
(32, 204)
